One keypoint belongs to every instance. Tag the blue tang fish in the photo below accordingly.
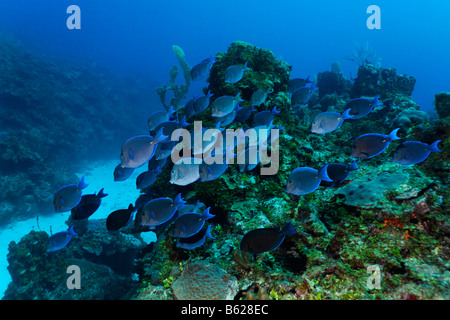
(68, 197)
(412, 152)
(121, 173)
(189, 110)
(169, 127)
(191, 208)
(158, 117)
(209, 172)
(154, 163)
(89, 203)
(360, 107)
(302, 95)
(264, 118)
(228, 118)
(248, 159)
(372, 144)
(201, 103)
(138, 150)
(185, 171)
(326, 122)
(235, 73)
(244, 113)
(120, 218)
(296, 83)
(164, 150)
(190, 223)
(304, 180)
(157, 211)
(259, 97)
(196, 240)
(201, 70)
(338, 172)
(146, 179)
(60, 240)
(225, 105)
(265, 239)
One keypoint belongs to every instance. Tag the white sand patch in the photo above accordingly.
(99, 175)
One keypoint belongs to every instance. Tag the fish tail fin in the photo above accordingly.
(183, 122)
(393, 135)
(159, 137)
(208, 232)
(179, 202)
(206, 215)
(245, 66)
(346, 114)
(157, 170)
(131, 207)
(237, 98)
(313, 87)
(275, 111)
(82, 184)
(72, 232)
(171, 110)
(323, 175)
(353, 166)
(212, 60)
(434, 146)
(287, 229)
(375, 101)
(101, 194)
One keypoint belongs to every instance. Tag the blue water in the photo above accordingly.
(135, 37)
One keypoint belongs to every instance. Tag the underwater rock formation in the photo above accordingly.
(384, 214)
(53, 115)
(371, 81)
(442, 104)
(106, 266)
(408, 118)
(204, 281)
(333, 81)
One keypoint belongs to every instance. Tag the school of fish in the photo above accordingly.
(188, 220)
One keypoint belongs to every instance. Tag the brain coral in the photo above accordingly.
(204, 281)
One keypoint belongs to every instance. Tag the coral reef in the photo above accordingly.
(204, 281)
(371, 219)
(106, 266)
(179, 90)
(371, 81)
(442, 104)
(332, 82)
(386, 215)
(54, 115)
(408, 118)
(364, 54)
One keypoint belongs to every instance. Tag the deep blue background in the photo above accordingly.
(132, 37)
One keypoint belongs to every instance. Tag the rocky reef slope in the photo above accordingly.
(386, 215)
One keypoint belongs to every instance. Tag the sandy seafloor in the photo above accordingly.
(98, 175)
